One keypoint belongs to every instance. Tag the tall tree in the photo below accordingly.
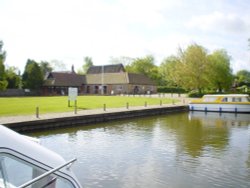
(194, 67)
(145, 66)
(170, 71)
(87, 63)
(220, 74)
(13, 77)
(142, 65)
(3, 82)
(45, 67)
(32, 76)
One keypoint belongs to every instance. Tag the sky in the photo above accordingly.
(66, 31)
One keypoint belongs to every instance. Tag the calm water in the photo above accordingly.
(177, 150)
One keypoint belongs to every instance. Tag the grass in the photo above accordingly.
(11, 106)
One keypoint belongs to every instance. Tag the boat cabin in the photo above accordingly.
(25, 163)
(226, 98)
(236, 103)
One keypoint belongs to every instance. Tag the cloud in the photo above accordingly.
(220, 22)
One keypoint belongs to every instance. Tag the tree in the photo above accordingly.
(45, 67)
(243, 77)
(193, 67)
(170, 72)
(145, 66)
(142, 65)
(13, 77)
(3, 82)
(220, 74)
(87, 63)
(32, 76)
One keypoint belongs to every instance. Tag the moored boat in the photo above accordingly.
(237, 103)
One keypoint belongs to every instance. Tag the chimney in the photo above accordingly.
(72, 69)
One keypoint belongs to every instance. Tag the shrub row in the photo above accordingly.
(163, 89)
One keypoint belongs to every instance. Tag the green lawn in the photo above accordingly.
(27, 105)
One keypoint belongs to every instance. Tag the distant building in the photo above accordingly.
(57, 83)
(108, 80)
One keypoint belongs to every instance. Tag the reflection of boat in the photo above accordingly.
(25, 163)
(239, 119)
(222, 103)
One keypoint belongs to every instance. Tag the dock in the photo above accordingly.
(85, 117)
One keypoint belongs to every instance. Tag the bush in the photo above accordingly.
(195, 95)
(3, 85)
(164, 89)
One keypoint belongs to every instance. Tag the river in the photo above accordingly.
(176, 150)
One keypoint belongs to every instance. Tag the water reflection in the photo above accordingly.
(177, 150)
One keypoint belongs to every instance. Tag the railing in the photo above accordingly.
(47, 174)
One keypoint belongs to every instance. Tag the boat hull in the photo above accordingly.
(215, 107)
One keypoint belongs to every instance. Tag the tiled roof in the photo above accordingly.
(139, 79)
(107, 78)
(117, 68)
(64, 79)
(113, 74)
(118, 78)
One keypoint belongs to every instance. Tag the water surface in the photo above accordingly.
(176, 150)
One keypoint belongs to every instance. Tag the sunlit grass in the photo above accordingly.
(27, 105)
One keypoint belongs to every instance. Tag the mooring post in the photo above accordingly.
(37, 112)
(160, 102)
(75, 107)
(104, 107)
(127, 105)
(173, 102)
(145, 104)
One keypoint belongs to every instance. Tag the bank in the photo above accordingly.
(51, 121)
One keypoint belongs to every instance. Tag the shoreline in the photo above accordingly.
(85, 117)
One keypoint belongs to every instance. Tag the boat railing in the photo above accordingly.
(69, 163)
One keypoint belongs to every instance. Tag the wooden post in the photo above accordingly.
(145, 104)
(104, 107)
(160, 102)
(75, 111)
(37, 112)
(68, 103)
(173, 102)
(127, 105)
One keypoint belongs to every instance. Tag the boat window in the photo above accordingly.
(14, 172)
(209, 99)
(224, 99)
(236, 99)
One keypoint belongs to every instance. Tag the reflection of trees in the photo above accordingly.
(194, 137)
